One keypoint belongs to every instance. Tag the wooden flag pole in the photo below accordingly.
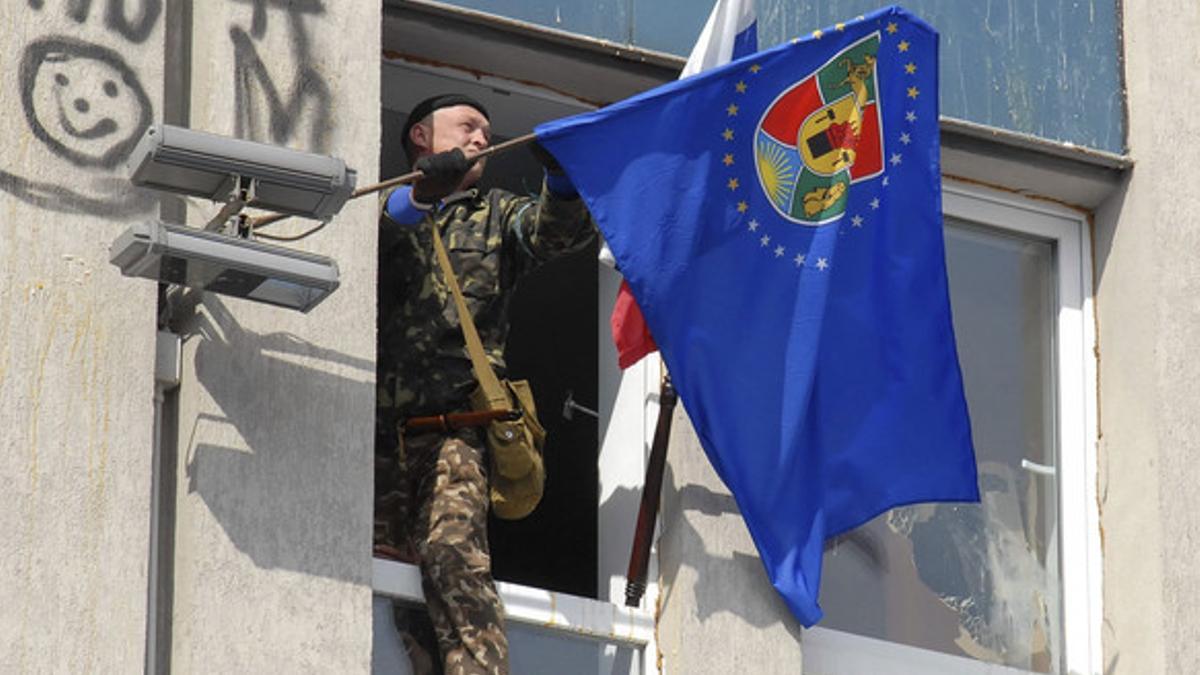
(643, 534)
(410, 177)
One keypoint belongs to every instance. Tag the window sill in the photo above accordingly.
(548, 610)
(1078, 177)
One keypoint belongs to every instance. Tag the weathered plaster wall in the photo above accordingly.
(719, 612)
(1147, 246)
(272, 522)
(78, 81)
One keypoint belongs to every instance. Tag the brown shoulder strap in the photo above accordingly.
(497, 398)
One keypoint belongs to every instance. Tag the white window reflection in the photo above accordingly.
(981, 580)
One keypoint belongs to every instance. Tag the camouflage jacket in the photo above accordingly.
(492, 239)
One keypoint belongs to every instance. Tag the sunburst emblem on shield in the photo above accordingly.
(822, 135)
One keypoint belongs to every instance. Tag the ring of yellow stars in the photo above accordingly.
(742, 207)
(892, 28)
(728, 159)
(903, 46)
(732, 109)
(913, 92)
(727, 134)
(741, 87)
(732, 184)
(910, 68)
(817, 33)
(755, 68)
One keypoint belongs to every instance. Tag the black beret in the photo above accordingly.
(424, 108)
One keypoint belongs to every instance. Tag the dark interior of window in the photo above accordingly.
(553, 344)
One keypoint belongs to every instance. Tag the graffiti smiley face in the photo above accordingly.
(83, 101)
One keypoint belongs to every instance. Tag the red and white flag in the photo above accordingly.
(731, 33)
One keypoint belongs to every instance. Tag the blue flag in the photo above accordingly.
(779, 222)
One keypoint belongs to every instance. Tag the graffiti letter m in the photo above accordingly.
(263, 115)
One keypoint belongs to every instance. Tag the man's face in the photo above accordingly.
(459, 126)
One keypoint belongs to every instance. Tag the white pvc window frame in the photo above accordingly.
(831, 652)
(574, 616)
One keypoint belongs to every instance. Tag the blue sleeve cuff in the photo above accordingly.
(561, 186)
(400, 207)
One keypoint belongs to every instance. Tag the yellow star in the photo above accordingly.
(903, 46)
(892, 28)
(755, 68)
(743, 207)
(913, 92)
(732, 184)
(817, 33)
(731, 110)
(741, 87)
(910, 68)
(840, 26)
(728, 160)
(727, 134)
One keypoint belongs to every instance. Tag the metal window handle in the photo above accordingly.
(1040, 469)
(570, 406)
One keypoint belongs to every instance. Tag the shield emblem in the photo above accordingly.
(822, 135)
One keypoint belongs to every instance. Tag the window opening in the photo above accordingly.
(561, 570)
(553, 343)
(977, 580)
(974, 588)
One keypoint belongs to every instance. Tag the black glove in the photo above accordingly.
(547, 160)
(443, 174)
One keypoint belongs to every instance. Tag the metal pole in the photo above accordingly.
(410, 177)
(643, 534)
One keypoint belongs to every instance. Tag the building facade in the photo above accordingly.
(189, 476)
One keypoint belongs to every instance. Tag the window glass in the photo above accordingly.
(976, 580)
(669, 26)
(604, 19)
(1042, 68)
(1048, 69)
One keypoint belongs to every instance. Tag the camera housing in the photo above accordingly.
(222, 264)
(206, 165)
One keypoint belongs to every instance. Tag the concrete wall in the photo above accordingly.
(273, 494)
(267, 531)
(1147, 250)
(718, 610)
(76, 338)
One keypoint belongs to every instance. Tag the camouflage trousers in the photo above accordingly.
(432, 499)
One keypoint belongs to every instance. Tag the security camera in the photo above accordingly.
(222, 264)
(206, 165)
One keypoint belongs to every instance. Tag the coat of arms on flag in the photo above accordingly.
(822, 135)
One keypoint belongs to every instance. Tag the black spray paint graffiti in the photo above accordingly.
(83, 101)
(88, 108)
(254, 86)
(295, 10)
(308, 92)
(115, 16)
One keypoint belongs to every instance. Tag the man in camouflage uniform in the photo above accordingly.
(431, 489)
